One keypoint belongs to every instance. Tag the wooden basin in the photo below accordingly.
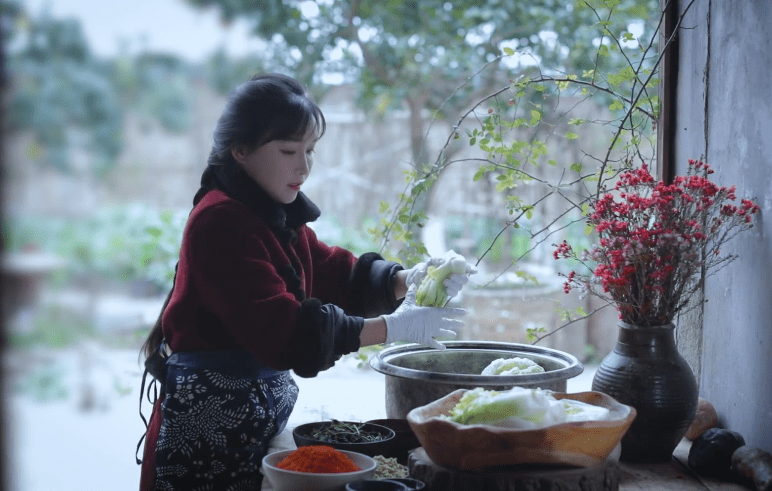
(483, 447)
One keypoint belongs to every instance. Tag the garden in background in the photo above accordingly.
(451, 125)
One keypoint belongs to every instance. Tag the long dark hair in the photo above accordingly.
(266, 108)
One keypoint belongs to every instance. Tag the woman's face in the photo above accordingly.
(280, 167)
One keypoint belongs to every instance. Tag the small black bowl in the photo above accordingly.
(303, 437)
(376, 485)
(410, 483)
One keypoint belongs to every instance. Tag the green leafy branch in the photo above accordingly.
(508, 127)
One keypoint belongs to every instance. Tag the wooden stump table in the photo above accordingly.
(674, 475)
(603, 477)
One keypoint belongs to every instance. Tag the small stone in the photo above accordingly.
(753, 467)
(711, 453)
(704, 419)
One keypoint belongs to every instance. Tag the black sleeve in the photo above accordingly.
(371, 286)
(324, 334)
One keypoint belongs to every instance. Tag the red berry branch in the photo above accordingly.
(654, 239)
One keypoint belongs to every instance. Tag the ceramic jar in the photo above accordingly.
(646, 371)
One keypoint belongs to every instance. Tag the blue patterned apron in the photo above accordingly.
(221, 410)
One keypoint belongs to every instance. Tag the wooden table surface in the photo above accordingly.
(671, 476)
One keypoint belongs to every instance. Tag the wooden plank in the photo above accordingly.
(674, 475)
(681, 455)
(604, 477)
(671, 476)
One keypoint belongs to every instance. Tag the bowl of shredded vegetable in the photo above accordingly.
(365, 438)
(316, 467)
(404, 439)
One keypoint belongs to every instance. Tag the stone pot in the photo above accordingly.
(647, 372)
(417, 375)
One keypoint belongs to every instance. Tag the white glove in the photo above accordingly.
(456, 281)
(421, 324)
(418, 272)
(453, 283)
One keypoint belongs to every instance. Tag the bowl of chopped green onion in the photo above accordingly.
(366, 438)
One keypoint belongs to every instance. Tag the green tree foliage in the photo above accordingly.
(61, 93)
(417, 54)
(515, 127)
(224, 73)
(157, 85)
(68, 98)
(446, 56)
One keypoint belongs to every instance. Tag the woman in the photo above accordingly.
(256, 295)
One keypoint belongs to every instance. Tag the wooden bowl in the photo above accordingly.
(481, 447)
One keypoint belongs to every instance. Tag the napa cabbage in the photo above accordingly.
(521, 407)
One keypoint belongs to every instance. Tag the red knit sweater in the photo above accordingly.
(229, 293)
(231, 290)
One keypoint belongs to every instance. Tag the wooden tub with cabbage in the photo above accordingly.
(481, 447)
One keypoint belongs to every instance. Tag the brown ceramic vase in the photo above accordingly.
(647, 372)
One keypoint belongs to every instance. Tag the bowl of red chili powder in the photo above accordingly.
(317, 467)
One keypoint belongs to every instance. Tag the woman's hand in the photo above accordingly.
(456, 281)
(417, 273)
(421, 325)
(413, 276)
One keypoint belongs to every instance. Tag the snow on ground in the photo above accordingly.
(58, 445)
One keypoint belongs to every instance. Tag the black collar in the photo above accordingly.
(281, 218)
